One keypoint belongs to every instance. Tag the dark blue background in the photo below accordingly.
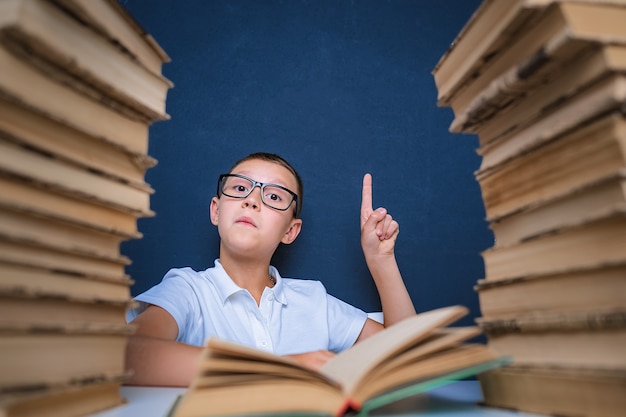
(338, 88)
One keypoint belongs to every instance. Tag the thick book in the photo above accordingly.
(578, 290)
(41, 309)
(46, 35)
(539, 85)
(591, 338)
(94, 153)
(22, 83)
(409, 357)
(556, 391)
(34, 195)
(584, 156)
(560, 210)
(72, 399)
(19, 161)
(28, 253)
(31, 281)
(35, 355)
(487, 34)
(607, 95)
(21, 225)
(110, 18)
(578, 21)
(597, 242)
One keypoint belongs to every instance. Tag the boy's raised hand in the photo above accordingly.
(378, 229)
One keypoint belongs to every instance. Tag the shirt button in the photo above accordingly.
(264, 343)
(270, 297)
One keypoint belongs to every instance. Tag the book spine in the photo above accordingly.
(556, 321)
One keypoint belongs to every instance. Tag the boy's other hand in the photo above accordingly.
(378, 229)
(313, 360)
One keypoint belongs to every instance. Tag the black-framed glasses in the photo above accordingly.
(272, 195)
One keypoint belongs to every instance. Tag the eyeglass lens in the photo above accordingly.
(273, 196)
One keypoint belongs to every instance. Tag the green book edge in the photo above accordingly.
(429, 384)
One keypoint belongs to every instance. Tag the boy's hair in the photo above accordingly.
(270, 157)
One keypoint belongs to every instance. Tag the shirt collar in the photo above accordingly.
(278, 290)
(226, 287)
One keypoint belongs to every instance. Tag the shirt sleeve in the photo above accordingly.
(173, 294)
(345, 323)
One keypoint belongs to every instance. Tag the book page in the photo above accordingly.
(226, 362)
(441, 340)
(428, 367)
(351, 365)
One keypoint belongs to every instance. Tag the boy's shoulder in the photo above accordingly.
(183, 272)
(303, 285)
(188, 276)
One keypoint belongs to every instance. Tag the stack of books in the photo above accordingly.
(542, 83)
(80, 84)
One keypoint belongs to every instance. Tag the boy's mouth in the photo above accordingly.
(246, 221)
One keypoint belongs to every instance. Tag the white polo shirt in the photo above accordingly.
(295, 316)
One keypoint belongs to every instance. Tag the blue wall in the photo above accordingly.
(338, 88)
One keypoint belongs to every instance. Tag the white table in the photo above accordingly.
(144, 402)
(458, 399)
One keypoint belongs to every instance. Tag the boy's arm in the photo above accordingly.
(153, 354)
(378, 236)
(157, 359)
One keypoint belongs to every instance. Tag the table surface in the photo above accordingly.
(458, 399)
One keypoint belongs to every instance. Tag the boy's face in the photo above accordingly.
(246, 225)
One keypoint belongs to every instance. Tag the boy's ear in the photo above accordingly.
(292, 233)
(214, 210)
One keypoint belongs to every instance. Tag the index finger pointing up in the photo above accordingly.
(366, 197)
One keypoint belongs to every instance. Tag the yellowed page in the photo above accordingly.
(437, 364)
(227, 361)
(351, 365)
(444, 339)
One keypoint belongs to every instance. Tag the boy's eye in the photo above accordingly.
(276, 194)
(236, 188)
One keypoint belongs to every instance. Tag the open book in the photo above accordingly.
(409, 357)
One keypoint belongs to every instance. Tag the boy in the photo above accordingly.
(244, 299)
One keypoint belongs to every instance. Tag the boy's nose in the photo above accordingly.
(253, 199)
